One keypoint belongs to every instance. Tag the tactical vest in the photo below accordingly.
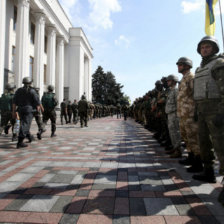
(204, 85)
(48, 101)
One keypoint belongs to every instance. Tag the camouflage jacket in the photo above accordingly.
(185, 101)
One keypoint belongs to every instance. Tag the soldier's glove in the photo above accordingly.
(218, 120)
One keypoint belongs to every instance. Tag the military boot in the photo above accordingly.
(30, 138)
(197, 165)
(20, 143)
(207, 175)
(189, 160)
(177, 153)
(39, 133)
(7, 129)
(14, 137)
(53, 134)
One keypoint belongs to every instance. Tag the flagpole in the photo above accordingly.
(221, 24)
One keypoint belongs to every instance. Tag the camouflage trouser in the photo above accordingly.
(174, 130)
(189, 133)
(210, 136)
(52, 116)
(6, 116)
(83, 118)
(38, 120)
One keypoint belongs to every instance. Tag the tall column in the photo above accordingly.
(51, 48)
(38, 74)
(59, 90)
(90, 79)
(2, 42)
(86, 77)
(22, 41)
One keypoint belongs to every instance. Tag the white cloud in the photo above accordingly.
(122, 40)
(190, 6)
(68, 6)
(100, 16)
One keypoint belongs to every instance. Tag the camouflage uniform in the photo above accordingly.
(75, 112)
(185, 112)
(173, 121)
(83, 111)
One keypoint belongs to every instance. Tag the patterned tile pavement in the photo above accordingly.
(111, 172)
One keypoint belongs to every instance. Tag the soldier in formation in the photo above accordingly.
(83, 111)
(75, 111)
(64, 111)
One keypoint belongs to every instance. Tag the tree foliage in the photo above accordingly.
(106, 90)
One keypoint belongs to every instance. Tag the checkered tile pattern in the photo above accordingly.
(111, 172)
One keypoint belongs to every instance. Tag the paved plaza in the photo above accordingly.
(111, 172)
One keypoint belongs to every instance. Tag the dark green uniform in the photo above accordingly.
(83, 111)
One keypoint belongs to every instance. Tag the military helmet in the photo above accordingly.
(50, 87)
(209, 39)
(10, 86)
(173, 78)
(186, 61)
(158, 82)
(27, 80)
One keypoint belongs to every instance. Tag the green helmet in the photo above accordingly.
(27, 80)
(158, 82)
(50, 87)
(209, 39)
(173, 78)
(10, 86)
(186, 61)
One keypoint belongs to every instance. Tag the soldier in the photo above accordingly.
(173, 121)
(49, 102)
(125, 111)
(209, 95)
(185, 112)
(75, 111)
(6, 109)
(64, 111)
(69, 110)
(118, 110)
(37, 116)
(27, 100)
(83, 110)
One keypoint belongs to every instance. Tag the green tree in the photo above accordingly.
(105, 88)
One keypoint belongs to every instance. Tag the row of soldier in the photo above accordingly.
(25, 103)
(192, 112)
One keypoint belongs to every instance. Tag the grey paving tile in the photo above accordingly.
(160, 206)
(103, 186)
(40, 203)
(20, 177)
(137, 207)
(121, 219)
(82, 193)
(15, 205)
(46, 178)
(9, 186)
(69, 219)
(62, 178)
(61, 204)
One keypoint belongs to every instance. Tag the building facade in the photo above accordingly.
(38, 40)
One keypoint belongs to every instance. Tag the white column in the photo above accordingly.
(38, 68)
(59, 85)
(90, 79)
(22, 41)
(51, 50)
(86, 77)
(2, 42)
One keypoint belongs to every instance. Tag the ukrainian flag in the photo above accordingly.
(210, 17)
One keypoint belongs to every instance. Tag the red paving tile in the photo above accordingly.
(101, 193)
(94, 219)
(148, 220)
(76, 205)
(121, 206)
(181, 220)
(30, 217)
(7, 200)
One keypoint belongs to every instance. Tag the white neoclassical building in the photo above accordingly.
(38, 40)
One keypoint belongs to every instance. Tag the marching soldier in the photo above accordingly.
(26, 101)
(75, 111)
(49, 103)
(6, 109)
(64, 111)
(83, 111)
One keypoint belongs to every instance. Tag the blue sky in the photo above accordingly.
(139, 41)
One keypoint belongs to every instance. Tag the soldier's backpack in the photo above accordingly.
(6, 102)
(48, 101)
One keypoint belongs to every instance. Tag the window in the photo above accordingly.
(31, 67)
(45, 44)
(32, 33)
(13, 58)
(45, 74)
(14, 18)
